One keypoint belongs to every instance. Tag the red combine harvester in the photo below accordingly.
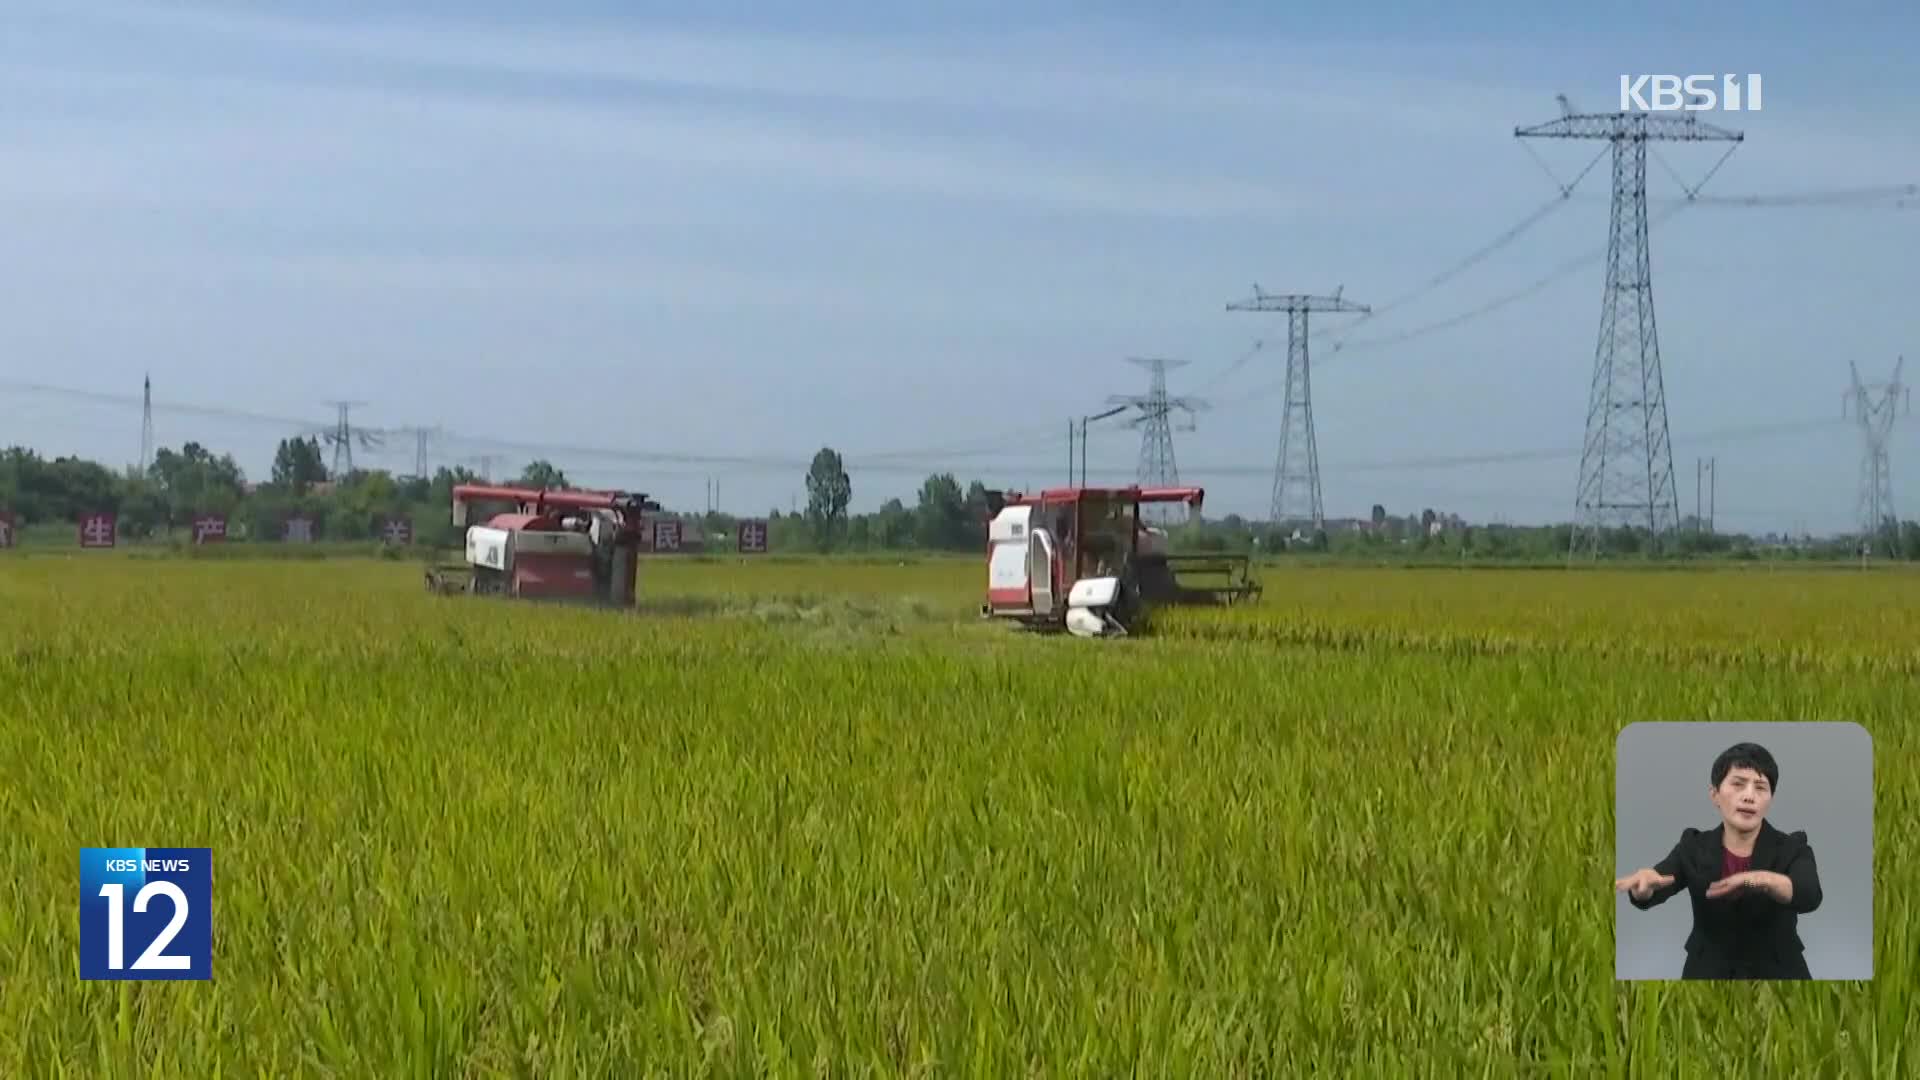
(578, 546)
(1080, 559)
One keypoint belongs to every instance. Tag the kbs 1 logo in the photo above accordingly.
(1690, 93)
(146, 913)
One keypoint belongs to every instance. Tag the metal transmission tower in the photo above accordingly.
(146, 422)
(1875, 405)
(1296, 475)
(343, 436)
(1157, 468)
(423, 439)
(1626, 465)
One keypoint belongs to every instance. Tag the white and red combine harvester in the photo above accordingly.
(579, 546)
(1081, 560)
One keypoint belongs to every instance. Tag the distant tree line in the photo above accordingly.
(163, 499)
(182, 484)
(945, 515)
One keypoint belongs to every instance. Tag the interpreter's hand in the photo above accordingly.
(1641, 883)
(1737, 883)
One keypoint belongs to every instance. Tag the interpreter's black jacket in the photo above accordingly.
(1749, 934)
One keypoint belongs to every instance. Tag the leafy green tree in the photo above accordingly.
(893, 526)
(192, 480)
(365, 496)
(829, 490)
(543, 474)
(74, 486)
(940, 521)
(297, 465)
(977, 515)
(143, 509)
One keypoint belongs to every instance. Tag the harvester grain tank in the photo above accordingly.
(1080, 559)
(554, 544)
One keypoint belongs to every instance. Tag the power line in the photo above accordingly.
(367, 438)
(210, 411)
(1748, 432)
(1559, 273)
(1744, 433)
(1499, 243)
(1895, 196)
(1901, 195)
(1501, 240)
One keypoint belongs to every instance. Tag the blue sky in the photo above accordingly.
(777, 226)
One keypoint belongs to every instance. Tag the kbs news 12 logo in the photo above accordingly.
(146, 913)
(1691, 93)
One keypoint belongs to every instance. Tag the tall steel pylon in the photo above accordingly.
(1157, 468)
(1875, 405)
(423, 439)
(1626, 465)
(1296, 473)
(342, 437)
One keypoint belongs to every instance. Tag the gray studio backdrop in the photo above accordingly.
(1662, 777)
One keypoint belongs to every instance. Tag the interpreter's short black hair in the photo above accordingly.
(1747, 755)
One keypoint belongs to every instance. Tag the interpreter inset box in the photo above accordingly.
(1743, 851)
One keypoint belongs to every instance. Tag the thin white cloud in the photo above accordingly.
(1048, 73)
(291, 118)
(1277, 93)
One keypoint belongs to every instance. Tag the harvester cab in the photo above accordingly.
(1081, 560)
(547, 544)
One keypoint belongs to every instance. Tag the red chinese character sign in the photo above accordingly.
(209, 528)
(396, 530)
(753, 537)
(6, 528)
(666, 536)
(297, 529)
(97, 530)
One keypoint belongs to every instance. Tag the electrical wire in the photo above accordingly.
(1500, 242)
(1489, 307)
(914, 459)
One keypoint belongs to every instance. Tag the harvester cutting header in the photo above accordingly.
(1080, 559)
(553, 544)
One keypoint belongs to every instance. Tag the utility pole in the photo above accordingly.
(1084, 421)
(1296, 475)
(146, 423)
(1875, 405)
(1626, 466)
(1703, 468)
(1157, 468)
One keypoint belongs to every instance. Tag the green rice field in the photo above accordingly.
(812, 818)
